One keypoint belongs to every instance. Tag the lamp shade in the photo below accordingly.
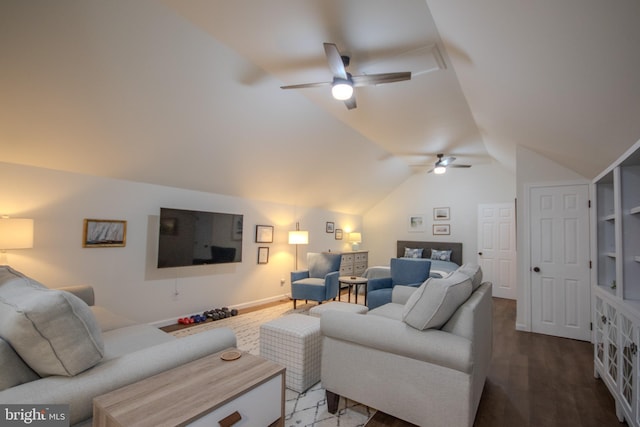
(298, 237)
(16, 233)
(355, 237)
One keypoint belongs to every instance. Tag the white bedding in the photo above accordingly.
(438, 269)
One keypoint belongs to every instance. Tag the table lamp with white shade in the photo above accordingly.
(15, 233)
(355, 239)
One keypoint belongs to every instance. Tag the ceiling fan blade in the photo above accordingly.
(459, 166)
(335, 61)
(351, 103)
(446, 161)
(305, 85)
(378, 79)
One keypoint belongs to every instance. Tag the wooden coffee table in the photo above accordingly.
(208, 391)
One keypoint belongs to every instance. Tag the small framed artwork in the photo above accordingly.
(339, 234)
(441, 214)
(264, 233)
(263, 255)
(417, 224)
(330, 228)
(104, 233)
(441, 229)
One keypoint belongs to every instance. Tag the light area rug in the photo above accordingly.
(308, 409)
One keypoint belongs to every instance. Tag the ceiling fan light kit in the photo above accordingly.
(342, 89)
(438, 170)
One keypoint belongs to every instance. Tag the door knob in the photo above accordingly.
(536, 269)
(480, 253)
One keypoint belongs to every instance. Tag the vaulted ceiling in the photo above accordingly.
(187, 93)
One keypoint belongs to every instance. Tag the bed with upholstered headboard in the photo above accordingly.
(445, 257)
(455, 248)
(439, 267)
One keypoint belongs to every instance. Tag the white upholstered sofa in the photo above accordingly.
(56, 347)
(422, 358)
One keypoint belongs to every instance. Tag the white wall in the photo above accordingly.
(125, 279)
(460, 189)
(532, 169)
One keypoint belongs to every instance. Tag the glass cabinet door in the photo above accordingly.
(612, 343)
(627, 362)
(600, 322)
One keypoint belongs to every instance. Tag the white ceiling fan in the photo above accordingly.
(343, 82)
(445, 162)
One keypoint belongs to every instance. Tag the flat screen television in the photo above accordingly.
(189, 237)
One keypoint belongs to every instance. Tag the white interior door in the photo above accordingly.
(559, 270)
(497, 247)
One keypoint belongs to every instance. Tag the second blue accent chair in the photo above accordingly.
(320, 281)
(404, 271)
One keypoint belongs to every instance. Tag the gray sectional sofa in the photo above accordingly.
(423, 357)
(57, 347)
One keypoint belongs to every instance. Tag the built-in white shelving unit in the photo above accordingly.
(616, 279)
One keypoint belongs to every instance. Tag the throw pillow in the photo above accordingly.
(413, 253)
(14, 371)
(474, 272)
(435, 301)
(441, 255)
(53, 331)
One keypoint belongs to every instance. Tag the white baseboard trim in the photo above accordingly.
(522, 327)
(173, 320)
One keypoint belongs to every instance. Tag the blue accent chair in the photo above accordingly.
(320, 281)
(404, 271)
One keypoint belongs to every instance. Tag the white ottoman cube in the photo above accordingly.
(294, 341)
(339, 306)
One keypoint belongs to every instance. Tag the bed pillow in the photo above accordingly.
(435, 301)
(413, 253)
(53, 331)
(441, 255)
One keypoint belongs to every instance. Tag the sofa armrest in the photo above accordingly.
(378, 283)
(79, 391)
(84, 292)
(299, 275)
(401, 294)
(392, 336)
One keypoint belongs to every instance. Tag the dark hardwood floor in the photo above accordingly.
(536, 381)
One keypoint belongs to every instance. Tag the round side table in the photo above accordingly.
(354, 281)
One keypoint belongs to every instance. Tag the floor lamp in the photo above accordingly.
(298, 237)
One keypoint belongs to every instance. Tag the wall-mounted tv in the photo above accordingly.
(189, 237)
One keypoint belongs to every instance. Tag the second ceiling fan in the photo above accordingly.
(445, 162)
(343, 82)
